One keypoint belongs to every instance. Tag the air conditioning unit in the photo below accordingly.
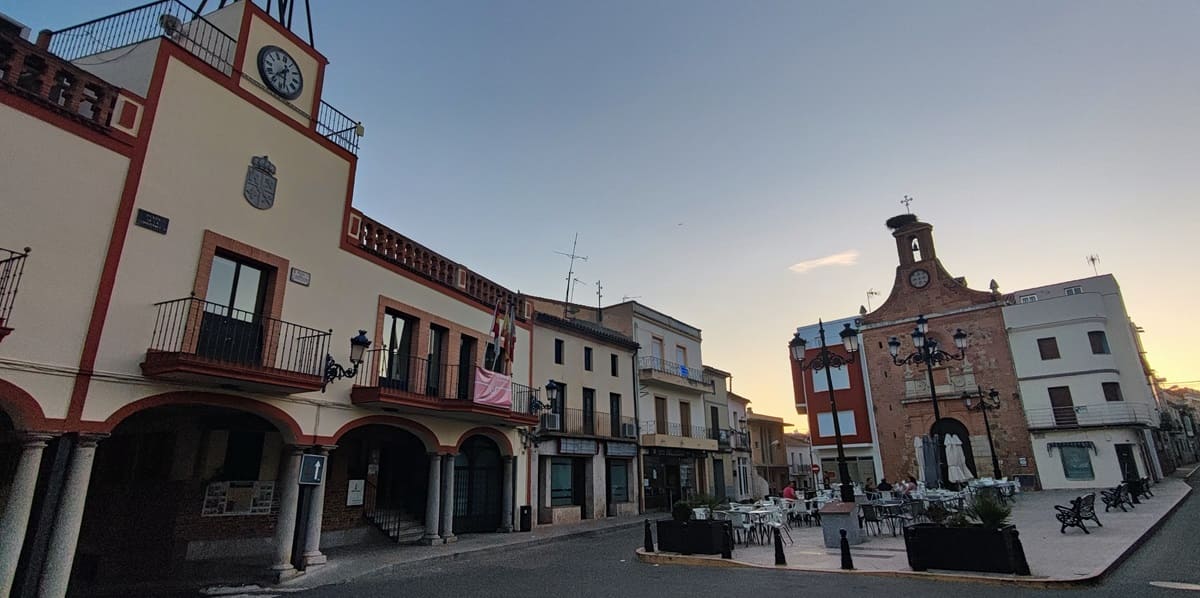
(550, 421)
(628, 430)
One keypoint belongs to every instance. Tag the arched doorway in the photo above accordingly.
(174, 484)
(392, 466)
(478, 486)
(948, 426)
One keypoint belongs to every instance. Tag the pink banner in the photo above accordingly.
(493, 388)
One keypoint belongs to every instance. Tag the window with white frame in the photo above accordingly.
(841, 379)
(1074, 291)
(845, 421)
(1027, 298)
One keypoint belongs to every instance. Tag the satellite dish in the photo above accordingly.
(170, 23)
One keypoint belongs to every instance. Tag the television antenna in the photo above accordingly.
(1094, 259)
(571, 270)
(871, 293)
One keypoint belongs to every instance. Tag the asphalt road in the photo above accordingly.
(603, 566)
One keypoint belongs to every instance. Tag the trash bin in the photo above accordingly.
(526, 519)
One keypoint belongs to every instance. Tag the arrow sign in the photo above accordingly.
(311, 469)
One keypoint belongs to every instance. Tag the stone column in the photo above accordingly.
(506, 502)
(16, 513)
(316, 510)
(432, 500)
(285, 523)
(65, 535)
(448, 500)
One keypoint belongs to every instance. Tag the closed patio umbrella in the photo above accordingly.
(956, 460)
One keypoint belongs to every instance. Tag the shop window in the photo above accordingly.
(560, 483)
(1077, 463)
(618, 480)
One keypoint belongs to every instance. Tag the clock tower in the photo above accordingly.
(908, 430)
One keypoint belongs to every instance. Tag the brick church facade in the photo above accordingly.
(904, 410)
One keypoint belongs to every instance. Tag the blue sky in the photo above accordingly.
(702, 148)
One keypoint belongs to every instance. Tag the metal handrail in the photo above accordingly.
(169, 19)
(12, 267)
(659, 364)
(420, 377)
(674, 429)
(1094, 414)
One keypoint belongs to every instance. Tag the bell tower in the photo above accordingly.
(914, 239)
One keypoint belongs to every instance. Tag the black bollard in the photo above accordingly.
(779, 558)
(648, 542)
(727, 544)
(847, 562)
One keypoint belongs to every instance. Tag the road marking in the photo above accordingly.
(1176, 585)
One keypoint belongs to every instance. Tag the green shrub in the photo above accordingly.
(990, 512)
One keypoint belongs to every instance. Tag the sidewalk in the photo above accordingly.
(352, 562)
(1054, 558)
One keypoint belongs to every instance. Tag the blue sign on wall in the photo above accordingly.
(312, 469)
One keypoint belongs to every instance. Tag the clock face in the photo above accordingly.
(280, 72)
(918, 278)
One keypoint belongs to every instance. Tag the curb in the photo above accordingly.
(297, 584)
(1035, 582)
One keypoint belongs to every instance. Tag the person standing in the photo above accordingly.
(789, 491)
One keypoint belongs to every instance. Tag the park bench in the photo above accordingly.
(1139, 489)
(1082, 508)
(1117, 497)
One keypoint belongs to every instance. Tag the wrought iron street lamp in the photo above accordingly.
(825, 360)
(928, 353)
(986, 402)
(334, 371)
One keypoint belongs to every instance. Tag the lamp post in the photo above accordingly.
(825, 360)
(928, 353)
(987, 402)
(334, 370)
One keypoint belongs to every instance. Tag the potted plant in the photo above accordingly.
(685, 535)
(979, 538)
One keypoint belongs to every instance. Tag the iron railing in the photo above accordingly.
(739, 439)
(12, 266)
(595, 423)
(429, 380)
(1098, 414)
(170, 19)
(335, 126)
(233, 337)
(659, 364)
(674, 429)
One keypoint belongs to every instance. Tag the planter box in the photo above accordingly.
(693, 537)
(932, 546)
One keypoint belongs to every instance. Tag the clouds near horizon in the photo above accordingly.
(845, 258)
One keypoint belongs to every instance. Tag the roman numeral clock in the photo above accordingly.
(280, 72)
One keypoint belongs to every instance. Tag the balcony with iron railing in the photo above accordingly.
(739, 440)
(378, 240)
(397, 382)
(678, 435)
(656, 369)
(1116, 413)
(38, 75)
(578, 422)
(209, 343)
(12, 267)
(174, 21)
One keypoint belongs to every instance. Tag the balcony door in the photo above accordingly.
(466, 367)
(589, 411)
(660, 415)
(435, 374)
(397, 337)
(231, 328)
(1062, 406)
(685, 419)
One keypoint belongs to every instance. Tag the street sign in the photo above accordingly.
(312, 469)
(816, 468)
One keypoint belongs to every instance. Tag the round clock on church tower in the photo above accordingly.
(280, 72)
(918, 278)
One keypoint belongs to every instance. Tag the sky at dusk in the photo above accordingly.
(732, 163)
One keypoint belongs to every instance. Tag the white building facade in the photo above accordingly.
(1088, 401)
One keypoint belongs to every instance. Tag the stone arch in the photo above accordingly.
(497, 436)
(20, 406)
(426, 436)
(288, 428)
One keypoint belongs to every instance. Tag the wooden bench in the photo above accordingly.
(1117, 497)
(1082, 508)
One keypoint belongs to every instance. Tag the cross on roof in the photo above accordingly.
(907, 200)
